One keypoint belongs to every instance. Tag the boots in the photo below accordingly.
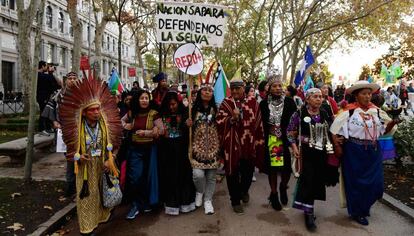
(310, 222)
(274, 200)
(283, 196)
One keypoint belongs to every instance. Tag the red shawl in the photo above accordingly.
(355, 105)
(244, 138)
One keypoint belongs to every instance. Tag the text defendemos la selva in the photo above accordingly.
(183, 22)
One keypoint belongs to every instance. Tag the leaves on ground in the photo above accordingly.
(60, 232)
(48, 207)
(13, 195)
(16, 226)
(62, 199)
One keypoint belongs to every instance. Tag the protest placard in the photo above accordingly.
(188, 59)
(184, 22)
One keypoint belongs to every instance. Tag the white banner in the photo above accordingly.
(184, 22)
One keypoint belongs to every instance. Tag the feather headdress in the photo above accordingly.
(78, 97)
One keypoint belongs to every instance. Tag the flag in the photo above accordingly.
(114, 83)
(384, 71)
(307, 61)
(370, 79)
(222, 85)
(309, 84)
(262, 76)
(396, 70)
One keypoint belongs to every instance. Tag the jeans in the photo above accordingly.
(137, 176)
(205, 182)
(239, 181)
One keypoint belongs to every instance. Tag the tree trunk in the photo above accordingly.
(77, 35)
(30, 72)
(294, 59)
(119, 49)
(25, 18)
(100, 28)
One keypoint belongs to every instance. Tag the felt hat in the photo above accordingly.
(362, 84)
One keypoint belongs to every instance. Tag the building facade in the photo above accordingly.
(57, 43)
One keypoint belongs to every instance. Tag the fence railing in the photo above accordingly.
(11, 106)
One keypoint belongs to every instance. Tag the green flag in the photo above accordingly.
(396, 70)
(384, 71)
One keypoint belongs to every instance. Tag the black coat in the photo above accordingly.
(289, 107)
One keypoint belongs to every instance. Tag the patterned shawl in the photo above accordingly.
(243, 139)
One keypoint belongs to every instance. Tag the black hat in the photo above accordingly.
(160, 76)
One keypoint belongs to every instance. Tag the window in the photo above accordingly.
(104, 67)
(123, 50)
(70, 28)
(50, 53)
(62, 57)
(127, 51)
(3, 3)
(11, 4)
(103, 41)
(113, 45)
(49, 17)
(61, 20)
(108, 45)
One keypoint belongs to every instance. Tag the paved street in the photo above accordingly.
(259, 219)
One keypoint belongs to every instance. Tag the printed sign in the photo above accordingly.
(84, 63)
(132, 72)
(184, 22)
(188, 59)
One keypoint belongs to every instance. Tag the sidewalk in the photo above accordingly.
(50, 166)
(259, 219)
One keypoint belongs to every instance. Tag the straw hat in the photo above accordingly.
(362, 84)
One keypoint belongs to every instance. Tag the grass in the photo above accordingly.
(7, 135)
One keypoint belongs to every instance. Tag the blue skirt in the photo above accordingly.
(363, 177)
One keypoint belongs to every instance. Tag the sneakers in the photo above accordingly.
(254, 178)
(172, 211)
(208, 208)
(187, 208)
(361, 220)
(246, 198)
(133, 212)
(44, 133)
(199, 199)
(238, 209)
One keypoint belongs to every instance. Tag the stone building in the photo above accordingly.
(57, 42)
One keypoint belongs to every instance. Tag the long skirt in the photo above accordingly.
(176, 177)
(90, 209)
(363, 177)
(311, 183)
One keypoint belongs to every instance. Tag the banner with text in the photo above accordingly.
(184, 22)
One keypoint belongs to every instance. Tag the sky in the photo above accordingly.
(349, 63)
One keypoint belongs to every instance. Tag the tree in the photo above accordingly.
(25, 17)
(77, 34)
(28, 70)
(323, 23)
(103, 7)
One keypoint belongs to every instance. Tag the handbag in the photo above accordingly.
(111, 194)
(387, 147)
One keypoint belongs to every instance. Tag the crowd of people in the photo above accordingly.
(169, 145)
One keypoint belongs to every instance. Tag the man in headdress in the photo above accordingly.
(161, 90)
(91, 130)
(240, 127)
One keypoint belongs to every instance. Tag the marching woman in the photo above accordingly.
(176, 184)
(328, 103)
(310, 142)
(205, 147)
(145, 125)
(276, 111)
(358, 129)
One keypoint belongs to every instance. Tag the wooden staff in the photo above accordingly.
(190, 105)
